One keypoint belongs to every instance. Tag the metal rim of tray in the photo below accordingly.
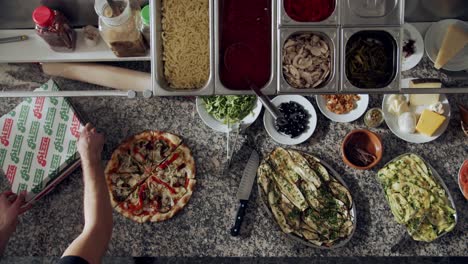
(295, 238)
(436, 176)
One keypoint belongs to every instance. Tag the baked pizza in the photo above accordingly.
(151, 176)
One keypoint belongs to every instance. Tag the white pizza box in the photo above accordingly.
(38, 143)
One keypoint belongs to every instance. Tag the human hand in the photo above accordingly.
(90, 145)
(11, 206)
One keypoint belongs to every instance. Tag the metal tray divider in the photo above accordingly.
(160, 86)
(271, 87)
(333, 82)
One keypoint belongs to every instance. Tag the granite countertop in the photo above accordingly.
(202, 227)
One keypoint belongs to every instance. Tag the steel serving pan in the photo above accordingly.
(270, 87)
(160, 85)
(331, 36)
(372, 12)
(334, 174)
(285, 20)
(394, 85)
(437, 177)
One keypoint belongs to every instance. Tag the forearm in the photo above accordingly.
(3, 241)
(97, 208)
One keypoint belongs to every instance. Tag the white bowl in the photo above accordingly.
(281, 138)
(361, 107)
(410, 32)
(218, 125)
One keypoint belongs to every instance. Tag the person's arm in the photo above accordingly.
(11, 206)
(92, 243)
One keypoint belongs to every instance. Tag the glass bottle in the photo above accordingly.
(145, 24)
(53, 27)
(121, 31)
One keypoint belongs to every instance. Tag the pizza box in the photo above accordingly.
(38, 143)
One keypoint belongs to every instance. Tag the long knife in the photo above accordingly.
(245, 188)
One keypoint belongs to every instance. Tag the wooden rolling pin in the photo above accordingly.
(103, 75)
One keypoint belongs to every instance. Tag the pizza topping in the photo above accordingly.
(181, 166)
(136, 209)
(156, 179)
(166, 163)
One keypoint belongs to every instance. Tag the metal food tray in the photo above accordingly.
(394, 85)
(334, 174)
(160, 85)
(393, 17)
(270, 87)
(437, 177)
(285, 20)
(331, 35)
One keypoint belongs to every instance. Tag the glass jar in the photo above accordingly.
(145, 24)
(53, 27)
(121, 31)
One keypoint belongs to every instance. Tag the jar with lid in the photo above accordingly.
(120, 27)
(53, 27)
(145, 24)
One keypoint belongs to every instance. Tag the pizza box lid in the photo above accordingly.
(38, 141)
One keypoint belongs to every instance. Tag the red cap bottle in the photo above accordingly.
(43, 16)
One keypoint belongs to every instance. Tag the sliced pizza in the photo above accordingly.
(133, 161)
(153, 147)
(165, 192)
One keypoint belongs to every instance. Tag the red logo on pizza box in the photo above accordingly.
(75, 126)
(10, 173)
(38, 106)
(6, 132)
(43, 151)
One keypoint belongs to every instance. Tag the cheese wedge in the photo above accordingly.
(424, 99)
(429, 122)
(454, 41)
(425, 83)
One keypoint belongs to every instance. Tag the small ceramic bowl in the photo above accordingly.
(361, 142)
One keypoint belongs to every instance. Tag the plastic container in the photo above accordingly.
(121, 32)
(145, 24)
(53, 27)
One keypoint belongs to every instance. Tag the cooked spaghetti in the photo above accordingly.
(185, 39)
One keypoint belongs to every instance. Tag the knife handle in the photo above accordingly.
(235, 230)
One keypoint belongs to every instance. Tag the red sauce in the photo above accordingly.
(464, 179)
(309, 10)
(245, 26)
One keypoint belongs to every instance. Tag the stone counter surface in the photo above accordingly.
(202, 227)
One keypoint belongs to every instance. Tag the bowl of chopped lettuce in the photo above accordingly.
(223, 113)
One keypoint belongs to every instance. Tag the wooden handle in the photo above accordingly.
(103, 75)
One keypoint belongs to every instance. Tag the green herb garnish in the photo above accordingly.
(230, 108)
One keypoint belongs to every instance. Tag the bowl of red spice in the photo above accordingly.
(362, 149)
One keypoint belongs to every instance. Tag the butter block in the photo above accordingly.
(429, 122)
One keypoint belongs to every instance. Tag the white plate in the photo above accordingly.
(269, 122)
(218, 125)
(344, 118)
(392, 121)
(410, 32)
(433, 40)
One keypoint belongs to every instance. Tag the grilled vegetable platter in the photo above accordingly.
(307, 198)
(418, 198)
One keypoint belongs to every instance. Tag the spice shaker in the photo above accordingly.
(53, 27)
(145, 24)
(121, 31)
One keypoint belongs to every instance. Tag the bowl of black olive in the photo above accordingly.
(300, 117)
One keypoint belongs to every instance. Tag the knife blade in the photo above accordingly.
(245, 188)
